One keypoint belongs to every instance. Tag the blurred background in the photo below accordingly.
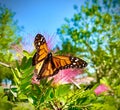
(86, 29)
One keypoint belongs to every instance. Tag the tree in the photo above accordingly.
(94, 33)
(8, 36)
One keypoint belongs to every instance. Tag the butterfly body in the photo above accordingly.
(46, 64)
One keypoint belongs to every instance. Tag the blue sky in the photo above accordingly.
(39, 16)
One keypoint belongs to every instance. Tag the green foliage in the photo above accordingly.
(94, 33)
(8, 36)
(41, 97)
(45, 96)
(4, 103)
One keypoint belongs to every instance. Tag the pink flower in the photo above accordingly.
(66, 76)
(27, 42)
(101, 88)
(85, 80)
(34, 80)
(50, 39)
(19, 51)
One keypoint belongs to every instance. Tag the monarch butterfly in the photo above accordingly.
(47, 65)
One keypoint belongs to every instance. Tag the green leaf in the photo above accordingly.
(27, 54)
(81, 100)
(27, 72)
(52, 95)
(13, 93)
(62, 90)
(48, 93)
(23, 63)
(1, 89)
(27, 64)
(16, 78)
(22, 97)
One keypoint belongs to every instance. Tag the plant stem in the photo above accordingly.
(4, 64)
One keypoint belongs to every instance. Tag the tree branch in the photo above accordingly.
(4, 64)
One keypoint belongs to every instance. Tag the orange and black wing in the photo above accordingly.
(53, 64)
(65, 62)
(48, 68)
(42, 49)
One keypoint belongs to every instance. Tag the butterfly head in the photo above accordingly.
(39, 40)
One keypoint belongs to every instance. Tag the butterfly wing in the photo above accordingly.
(65, 62)
(48, 68)
(42, 49)
(53, 64)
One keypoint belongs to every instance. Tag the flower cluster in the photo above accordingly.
(101, 88)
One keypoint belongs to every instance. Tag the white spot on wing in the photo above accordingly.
(74, 63)
(83, 64)
(39, 43)
(72, 58)
(41, 39)
(76, 59)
